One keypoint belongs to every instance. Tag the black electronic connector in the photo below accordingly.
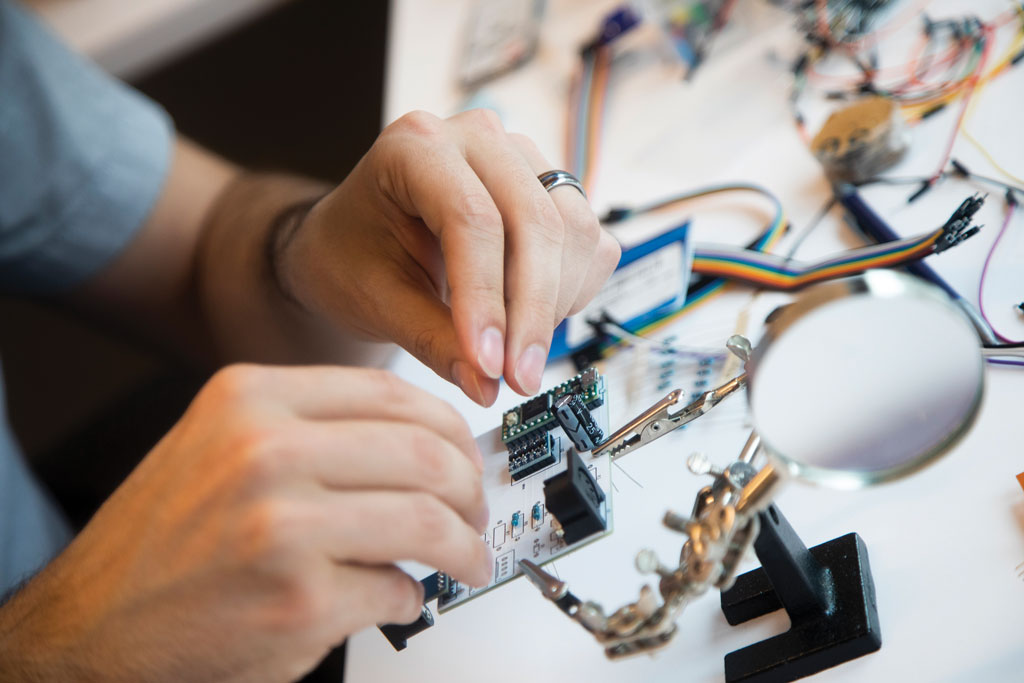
(616, 215)
(959, 169)
(574, 418)
(586, 356)
(576, 500)
(925, 186)
(933, 111)
(399, 634)
(958, 227)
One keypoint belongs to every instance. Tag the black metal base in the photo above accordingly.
(828, 593)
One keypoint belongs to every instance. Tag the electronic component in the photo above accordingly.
(536, 413)
(447, 590)
(845, 20)
(531, 453)
(520, 526)
(576, 500)
(657, 421)
(398, 634)
(535, 407)
(577, 423)
(649, 283)
(861, 140)
(690, 26)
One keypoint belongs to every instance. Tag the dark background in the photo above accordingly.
(298, 89)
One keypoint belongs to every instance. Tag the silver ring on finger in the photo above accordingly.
(555, 178)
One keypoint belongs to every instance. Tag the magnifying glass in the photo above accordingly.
(864, 380)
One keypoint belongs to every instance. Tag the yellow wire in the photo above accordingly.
(1013, 50)
(915, 110)
(995, 164)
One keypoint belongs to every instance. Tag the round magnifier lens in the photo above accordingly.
(864, 380)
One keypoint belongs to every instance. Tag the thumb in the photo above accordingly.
(415, 319)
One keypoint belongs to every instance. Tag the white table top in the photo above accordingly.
(944, 544)
(129, 37)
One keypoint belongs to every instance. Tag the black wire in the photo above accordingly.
(1015, 345)
(810, 227)
(970, 175)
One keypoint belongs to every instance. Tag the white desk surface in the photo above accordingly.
(129, 37)
(944, 545)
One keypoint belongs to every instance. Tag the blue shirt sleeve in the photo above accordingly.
(83, 159)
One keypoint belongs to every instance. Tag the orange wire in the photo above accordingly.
(572, 112)
(596, 106)
(951, 54)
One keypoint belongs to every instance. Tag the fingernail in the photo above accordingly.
(491, 354)
(530, 368)
(465, 376)
(489, 389)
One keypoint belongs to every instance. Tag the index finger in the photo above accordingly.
(437, 185)
(333, 393)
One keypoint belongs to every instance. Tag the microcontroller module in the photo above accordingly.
(519, 458)
(537, 414)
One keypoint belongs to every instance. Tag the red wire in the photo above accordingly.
(971, 86)
(951, 55)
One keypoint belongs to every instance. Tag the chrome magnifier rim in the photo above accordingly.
(878, 284)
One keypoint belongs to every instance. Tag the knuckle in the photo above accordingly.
(389, 387)
(419, 123)
(265, 532)
(486, 120)
(426, 346)
(546, 228)
(234, 383)
(477, 212)
(549, 222)
(539, 301)
(258, 451)
(481, 291)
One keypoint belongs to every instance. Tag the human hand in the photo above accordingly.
(260, 532)
(443, 240)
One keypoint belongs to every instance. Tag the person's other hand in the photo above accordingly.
(443, 240)
(260, 532)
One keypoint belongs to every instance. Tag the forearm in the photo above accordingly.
(249, 310)
(198, 277)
